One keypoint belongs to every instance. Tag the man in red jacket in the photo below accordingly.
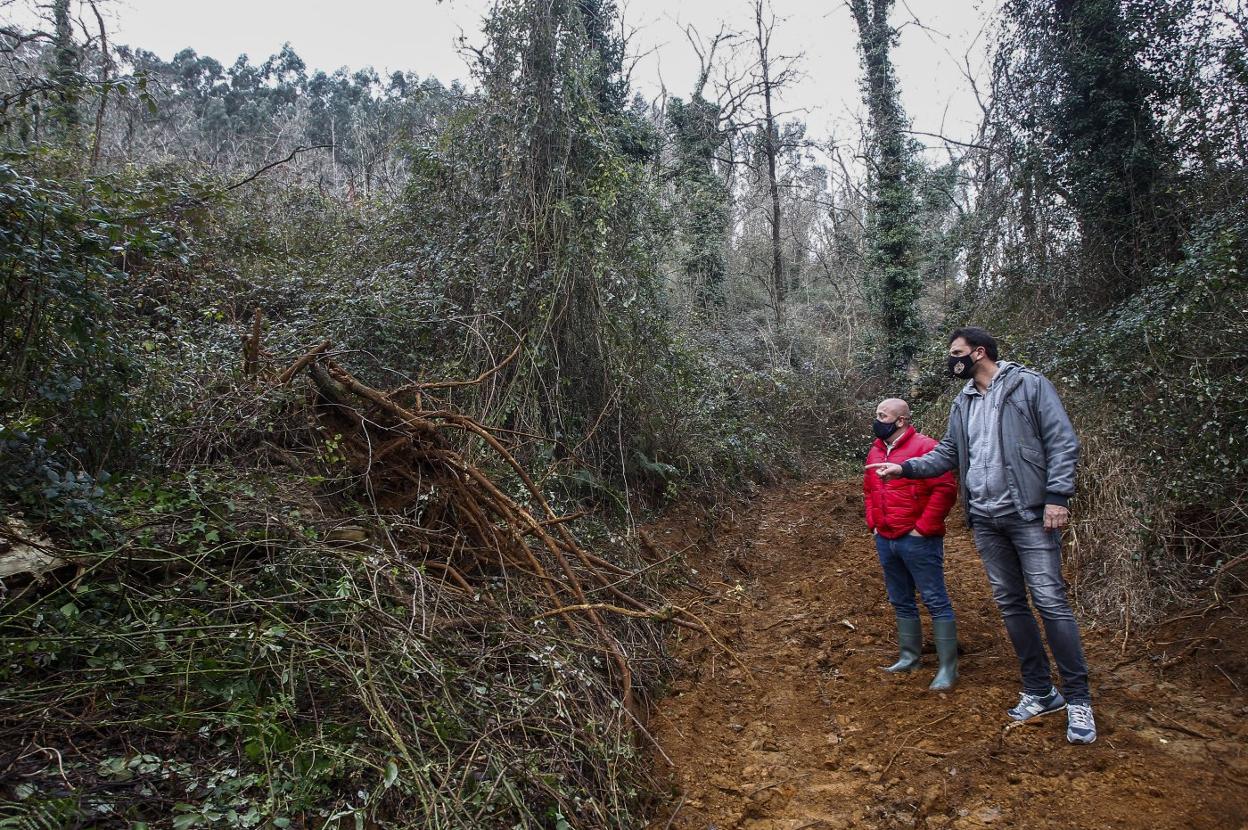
(907, 517)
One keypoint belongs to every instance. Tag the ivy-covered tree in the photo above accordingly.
(65, 116)
(701, 196)
(534, 209)
(895, 280)
(1085, 105)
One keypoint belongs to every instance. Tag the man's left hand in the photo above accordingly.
(1056, 517)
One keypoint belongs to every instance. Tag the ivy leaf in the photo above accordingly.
(186, 820)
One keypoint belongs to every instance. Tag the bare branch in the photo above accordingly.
(271, 165)
(949, 140)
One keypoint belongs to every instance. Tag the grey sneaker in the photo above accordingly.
(1080, 726)
(1030, 706)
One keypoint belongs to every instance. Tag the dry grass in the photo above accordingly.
(1108, 544)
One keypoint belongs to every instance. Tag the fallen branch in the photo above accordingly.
(659, 615)
(1177, 727)
(906, 737)
(21, 552)
(452, 384)
(299, 365)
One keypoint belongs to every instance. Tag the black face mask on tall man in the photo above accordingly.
(961, 366)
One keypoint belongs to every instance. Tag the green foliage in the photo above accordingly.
(64, 364)
(64, 113)
(534, 213)
(719, 425)
(701, 200)
(264, 678)
(29, 811)
(1171, 362)
(205, 109)
(895, 281)
(1088, 112)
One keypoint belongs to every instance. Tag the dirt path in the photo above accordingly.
(815, 737)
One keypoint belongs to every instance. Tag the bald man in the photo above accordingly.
(907, 518)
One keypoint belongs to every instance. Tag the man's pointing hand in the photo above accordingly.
(886, 470)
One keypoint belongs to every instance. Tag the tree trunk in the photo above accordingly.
(893, 269)
(771, 148)
(65, 73)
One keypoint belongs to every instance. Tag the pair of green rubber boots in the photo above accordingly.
(944, 635)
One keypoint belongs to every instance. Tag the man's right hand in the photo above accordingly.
(886, 470)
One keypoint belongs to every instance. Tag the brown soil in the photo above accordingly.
(806, 732)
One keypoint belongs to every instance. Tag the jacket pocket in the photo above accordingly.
(1033, 455)
(1031, 475)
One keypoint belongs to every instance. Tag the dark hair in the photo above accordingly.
(976, 337)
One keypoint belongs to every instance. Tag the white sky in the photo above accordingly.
(421, 35)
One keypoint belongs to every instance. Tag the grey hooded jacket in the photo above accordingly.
(1039, 447)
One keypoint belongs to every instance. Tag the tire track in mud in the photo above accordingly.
(808, 734)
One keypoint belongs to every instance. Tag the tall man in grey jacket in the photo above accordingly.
(1015, 452)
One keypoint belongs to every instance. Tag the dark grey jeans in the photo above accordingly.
(1021, 556)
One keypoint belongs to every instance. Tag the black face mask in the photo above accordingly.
(960, 367)
(882, 430)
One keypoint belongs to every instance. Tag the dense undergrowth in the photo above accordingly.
(240, 639)
(1158, 386)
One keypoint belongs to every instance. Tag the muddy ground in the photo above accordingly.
(803, 731)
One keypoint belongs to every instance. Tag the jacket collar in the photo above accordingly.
(906, 435)
(1008, 377)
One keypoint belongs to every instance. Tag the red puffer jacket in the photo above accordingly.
(894, 508)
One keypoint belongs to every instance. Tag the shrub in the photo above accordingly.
(65, 367)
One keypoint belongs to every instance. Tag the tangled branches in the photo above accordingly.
(467, 524)
(393, 621)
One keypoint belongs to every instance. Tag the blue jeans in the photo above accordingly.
(1020, 556)
(915, 562)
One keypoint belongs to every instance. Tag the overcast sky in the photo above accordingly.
(421, 36)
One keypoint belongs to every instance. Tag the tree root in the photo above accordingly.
(472, 524)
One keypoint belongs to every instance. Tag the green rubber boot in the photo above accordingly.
(945, 636)
(910, 638)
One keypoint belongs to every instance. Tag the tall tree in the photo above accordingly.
(1085, 110)
(535, 204)
(892, 267)
(65, 73)
(1116, 161)
(702, 198)
(769, 81)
